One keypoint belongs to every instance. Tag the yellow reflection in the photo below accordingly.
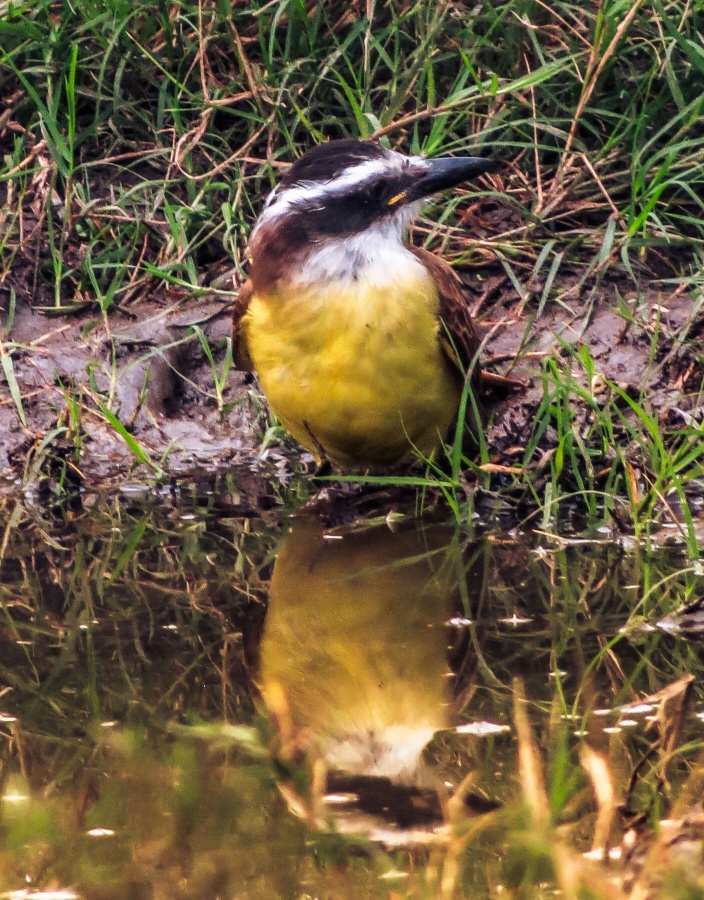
(354, 653)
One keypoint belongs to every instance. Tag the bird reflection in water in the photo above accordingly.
(354, 664)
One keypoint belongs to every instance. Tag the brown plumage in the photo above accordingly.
(458, 336)
(240, 351)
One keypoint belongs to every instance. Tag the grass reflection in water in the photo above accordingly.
(161, 736)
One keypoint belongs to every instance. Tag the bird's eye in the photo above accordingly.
(376, 192)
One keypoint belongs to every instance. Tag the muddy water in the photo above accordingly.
(199, 701)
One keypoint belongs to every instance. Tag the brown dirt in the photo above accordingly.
(161, 381)
(655, 358)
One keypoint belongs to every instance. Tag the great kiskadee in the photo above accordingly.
(354, 655)
(360, 341)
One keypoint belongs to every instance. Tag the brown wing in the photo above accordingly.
(457, 336)
(239, 336)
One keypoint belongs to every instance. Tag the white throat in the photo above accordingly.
(377, 255)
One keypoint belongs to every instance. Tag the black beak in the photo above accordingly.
(448, 171)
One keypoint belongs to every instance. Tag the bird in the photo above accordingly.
(361, 342)
(353, 660)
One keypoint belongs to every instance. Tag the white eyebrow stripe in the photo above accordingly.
(278, 204)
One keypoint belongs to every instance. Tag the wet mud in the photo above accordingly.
(149, 369)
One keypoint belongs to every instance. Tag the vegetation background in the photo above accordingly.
(137, 142)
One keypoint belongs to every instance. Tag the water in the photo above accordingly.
(199, 699)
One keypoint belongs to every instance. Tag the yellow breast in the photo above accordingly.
(354, 368)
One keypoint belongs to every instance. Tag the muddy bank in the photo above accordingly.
(148, 366)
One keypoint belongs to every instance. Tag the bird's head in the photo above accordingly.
(344, 201)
